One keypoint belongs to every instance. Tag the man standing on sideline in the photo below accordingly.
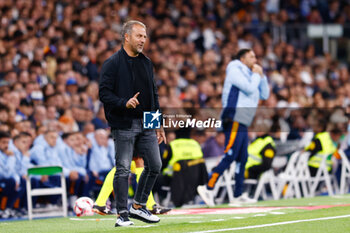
(244, 85)
(127, 88)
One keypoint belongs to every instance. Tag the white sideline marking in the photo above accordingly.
(274, 224)
(259, 215)
(218, 220)
(277, 213)
(238, 217)
(92, 219)
(184, 217)
(145, 226)
(196, 222)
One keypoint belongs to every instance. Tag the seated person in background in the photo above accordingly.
(322, 144)
(298, 125)
(9, 177)
(21, 146)
(260, 153)
(214, 146)
(45, 153)
(73, 154)
(100, 121)
(39, 139)
(183, 157)
(101, 159)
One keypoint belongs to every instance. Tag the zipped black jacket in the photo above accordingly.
(116, 88)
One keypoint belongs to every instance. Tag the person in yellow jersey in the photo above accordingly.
(322, 144)
(183, 169)
(261, 153)
(107, 188)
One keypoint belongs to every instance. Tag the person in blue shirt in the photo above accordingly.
(100, 121)
(74, 162)
(245, 84)
(102, 154)
(45, 153)
(21, 146)
(41, 133)
(9, 178)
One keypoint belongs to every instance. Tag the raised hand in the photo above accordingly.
(258, 69)
(133, 102)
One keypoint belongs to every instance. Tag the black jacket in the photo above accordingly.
(116, 88)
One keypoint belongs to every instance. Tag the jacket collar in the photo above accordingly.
(126, 54)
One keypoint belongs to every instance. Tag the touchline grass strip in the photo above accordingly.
(274, 224)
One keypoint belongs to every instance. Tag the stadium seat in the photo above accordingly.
(43, 170)
(288, 182)
(225, 184)
(323, 175)
(345, 173)
(302, 173)
(267, 177)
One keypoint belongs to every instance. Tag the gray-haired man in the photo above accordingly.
(127, 88)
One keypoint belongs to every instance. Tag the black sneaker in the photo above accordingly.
(143, 214)
(123, 221)
(102, 210)
(157, 209)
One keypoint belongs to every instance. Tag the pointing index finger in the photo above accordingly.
(136, 95)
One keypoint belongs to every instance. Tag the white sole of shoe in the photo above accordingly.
(117, 225)
(135, 216)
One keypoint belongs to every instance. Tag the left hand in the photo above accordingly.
(161, 135)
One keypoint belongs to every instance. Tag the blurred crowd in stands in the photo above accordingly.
(51, 53)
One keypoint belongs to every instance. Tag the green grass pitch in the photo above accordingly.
(285, 220)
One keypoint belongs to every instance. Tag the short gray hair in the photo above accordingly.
(127, 27)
